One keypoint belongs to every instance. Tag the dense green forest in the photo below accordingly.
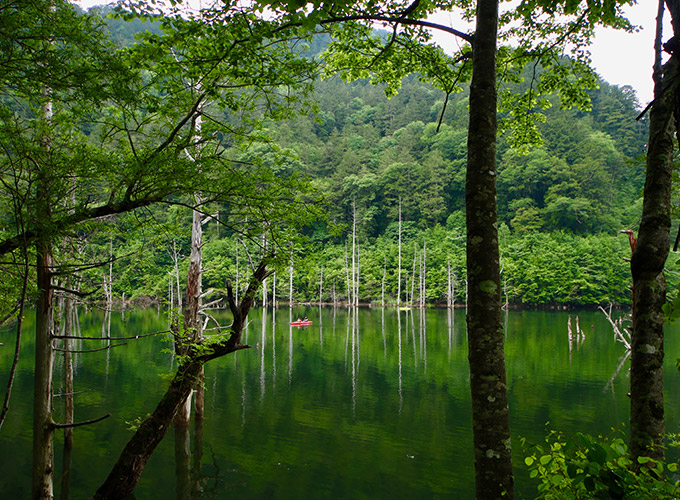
(562, 202)
(200, 154)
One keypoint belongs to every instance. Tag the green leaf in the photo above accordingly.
(597, 454)
(529, 461)
(556, 480)
(571, 470)
(589, 483)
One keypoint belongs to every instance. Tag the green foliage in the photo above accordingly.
(133, 425)
(583, 467)
(361, 151)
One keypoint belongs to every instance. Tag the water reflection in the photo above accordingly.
(401, 395)
(374, 404)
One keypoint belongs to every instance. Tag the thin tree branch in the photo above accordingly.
(56, 425)
(109, 338)
(71, 393)
(17, 346)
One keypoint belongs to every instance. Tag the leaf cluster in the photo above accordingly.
(583, 466)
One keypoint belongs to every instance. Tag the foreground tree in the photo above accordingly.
(649, 258)
(490, 412)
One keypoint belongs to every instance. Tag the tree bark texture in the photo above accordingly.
(192, 307)
(490, 414)
(43, 431)
(649, 283)
(125, 474)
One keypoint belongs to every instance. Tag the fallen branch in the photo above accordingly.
(617, 332)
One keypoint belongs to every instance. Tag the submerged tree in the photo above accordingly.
(125, 474)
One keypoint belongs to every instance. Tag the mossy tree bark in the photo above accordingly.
(491, 427)
(649, 258)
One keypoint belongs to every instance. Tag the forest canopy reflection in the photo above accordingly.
(372, 402)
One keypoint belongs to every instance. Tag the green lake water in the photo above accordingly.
(364, 404)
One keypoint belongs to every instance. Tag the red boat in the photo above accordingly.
(301, 322)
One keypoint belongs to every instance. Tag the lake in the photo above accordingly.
(369, 403)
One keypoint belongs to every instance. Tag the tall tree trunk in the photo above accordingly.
(382, 286)
(290, 291)
(353, 298)
(649, 257)
(193, 323)
(68, 397)
(356, 281)
(321, 286)
(490, 415)
(43, 430)
(399, 260)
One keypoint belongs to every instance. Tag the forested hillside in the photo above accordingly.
(561, 202)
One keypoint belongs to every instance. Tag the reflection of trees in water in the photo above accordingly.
(401, 395)
(262, 346)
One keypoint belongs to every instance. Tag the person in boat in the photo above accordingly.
(298, 320)
(305, 319)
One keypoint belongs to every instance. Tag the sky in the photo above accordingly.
(627, 58)
(619, 58)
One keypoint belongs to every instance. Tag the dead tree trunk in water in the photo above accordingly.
(490, 414)
(68, 396)
(193, 328)
(399, 260)
(43, 430)
(125, 474)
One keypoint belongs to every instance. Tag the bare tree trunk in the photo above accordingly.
(649, 257)
(349, 281)
(238, 284)
(353, 298)
(290, 292)
(449, 295)
(356, 281)
(413, 273)
(43, 431)
(382, 288)
(69, 390)
(423, 289)
(399, 260)
(264, 283)
(321, 286)
(490, 414)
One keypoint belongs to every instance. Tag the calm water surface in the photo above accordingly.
(364, 404)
